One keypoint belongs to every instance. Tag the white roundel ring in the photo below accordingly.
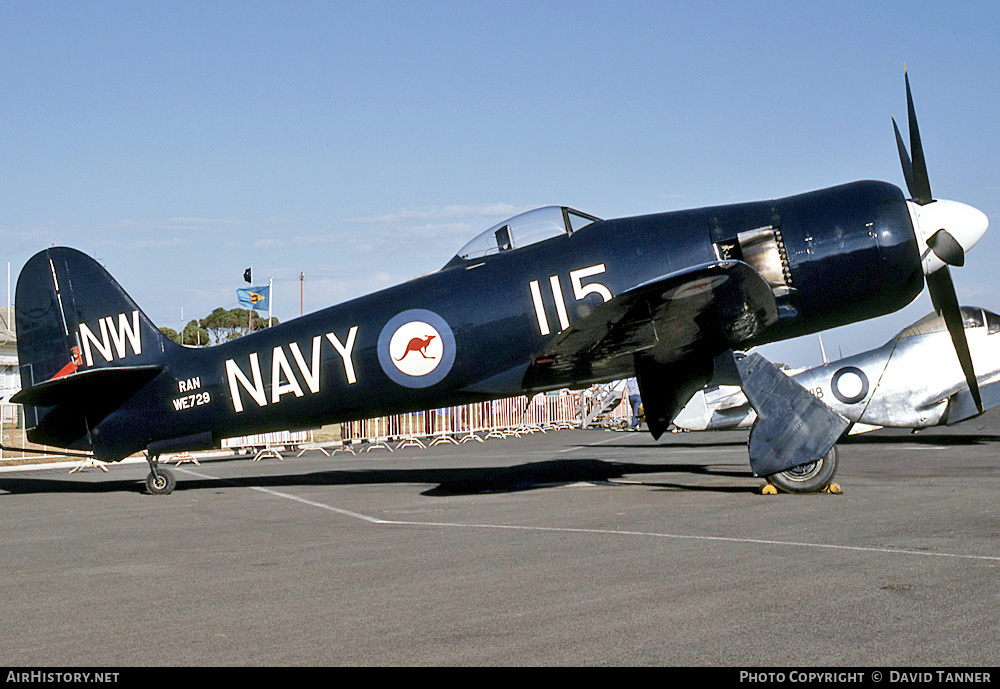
(849, 385)
(416, 348)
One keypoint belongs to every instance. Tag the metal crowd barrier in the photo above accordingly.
(502, 418)
(511, 416)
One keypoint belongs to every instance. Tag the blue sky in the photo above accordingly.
(363, 143)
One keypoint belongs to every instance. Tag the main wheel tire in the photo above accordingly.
(162, 483)
(807, 478)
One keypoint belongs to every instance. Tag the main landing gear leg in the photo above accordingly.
(792, 442)
(161, 480)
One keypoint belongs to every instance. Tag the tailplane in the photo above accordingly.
(83, 345)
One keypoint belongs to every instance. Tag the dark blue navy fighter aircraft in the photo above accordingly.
(549, 299)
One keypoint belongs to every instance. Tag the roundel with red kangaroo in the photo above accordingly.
(416, 348)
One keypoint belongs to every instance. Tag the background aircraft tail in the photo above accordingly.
(83, 345)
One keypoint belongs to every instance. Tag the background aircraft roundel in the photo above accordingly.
(849, 385)
(416, 348)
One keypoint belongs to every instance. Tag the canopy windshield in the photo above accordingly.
(525, 229)
(972, 317)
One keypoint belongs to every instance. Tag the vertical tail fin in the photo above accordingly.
(83, 346)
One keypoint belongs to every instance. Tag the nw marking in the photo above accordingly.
(125, 333)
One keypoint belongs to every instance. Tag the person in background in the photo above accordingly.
(632, 390)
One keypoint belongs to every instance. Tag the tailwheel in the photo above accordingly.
(807, 478)
(160, 481)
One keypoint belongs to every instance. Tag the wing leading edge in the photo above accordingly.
(667, 331)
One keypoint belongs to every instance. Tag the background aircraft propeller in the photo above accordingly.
(949, 229)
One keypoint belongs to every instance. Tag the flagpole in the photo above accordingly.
(270, 298)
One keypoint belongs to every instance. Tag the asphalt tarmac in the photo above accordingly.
(569, 548)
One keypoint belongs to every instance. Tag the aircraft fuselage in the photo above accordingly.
(469, 331)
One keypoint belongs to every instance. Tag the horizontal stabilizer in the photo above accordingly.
(121, 382)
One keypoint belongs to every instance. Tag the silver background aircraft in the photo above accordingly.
(912, 381)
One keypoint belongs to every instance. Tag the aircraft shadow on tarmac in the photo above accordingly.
(921, 439)
(451, 481)
(527, 476)
(678, 445)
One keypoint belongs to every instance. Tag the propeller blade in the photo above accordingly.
(904, 159)
(947, 248)
(945, 301)
(921, 181)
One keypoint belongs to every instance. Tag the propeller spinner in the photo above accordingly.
(948, 229)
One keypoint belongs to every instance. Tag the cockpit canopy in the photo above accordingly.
(524, 229)
(972, 317)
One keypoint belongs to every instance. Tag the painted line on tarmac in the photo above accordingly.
(605, 532)
(589, 445)
(710, 448)
(671, 448)
(289, 496)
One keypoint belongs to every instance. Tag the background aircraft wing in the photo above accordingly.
(693, 314)
(962, 404)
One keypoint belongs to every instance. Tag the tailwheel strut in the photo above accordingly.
(160, 480)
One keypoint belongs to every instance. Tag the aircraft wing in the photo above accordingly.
(722, 400)
(859, 428)
(962, 405)
(692, 314)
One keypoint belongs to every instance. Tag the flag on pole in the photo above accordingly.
(255, 297)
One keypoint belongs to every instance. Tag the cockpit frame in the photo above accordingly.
(523, 230)
(972, 317)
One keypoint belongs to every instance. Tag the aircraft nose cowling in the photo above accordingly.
(946, 230)
(853, 252)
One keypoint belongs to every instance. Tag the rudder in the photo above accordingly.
(73, 319)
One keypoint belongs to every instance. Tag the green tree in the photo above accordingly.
(195, 336)
(222, 324)
(225, 325)
(171, 334)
